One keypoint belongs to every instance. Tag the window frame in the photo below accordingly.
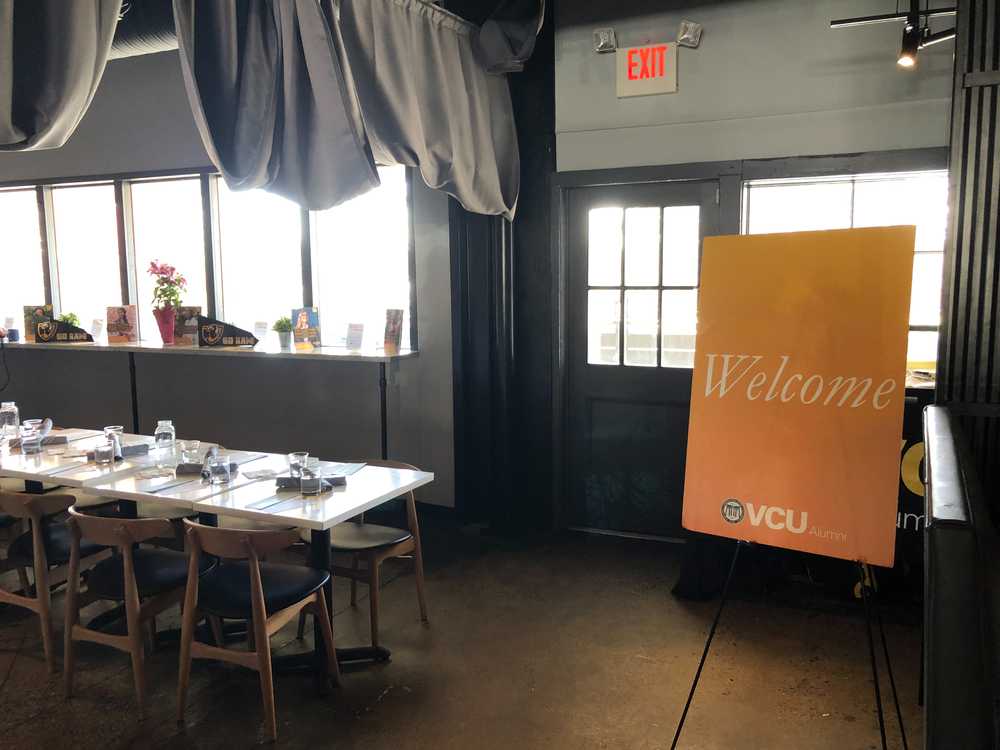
(208, 178)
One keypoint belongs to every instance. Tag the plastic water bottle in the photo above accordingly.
(10, 418)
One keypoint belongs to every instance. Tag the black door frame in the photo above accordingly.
(730, 175)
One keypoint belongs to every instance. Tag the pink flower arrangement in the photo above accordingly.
(169, 285)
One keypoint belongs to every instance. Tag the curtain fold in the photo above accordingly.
(271, 99)
(429, 103)
(52, 57)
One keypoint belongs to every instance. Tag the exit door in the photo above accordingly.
(634, 257)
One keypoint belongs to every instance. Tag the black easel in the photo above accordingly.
(708, 643)
(867, 592)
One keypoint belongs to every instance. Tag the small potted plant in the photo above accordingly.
(283, 327)
(70, 318)
(166, 297)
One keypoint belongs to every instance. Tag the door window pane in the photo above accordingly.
(925, 297)
(22, 281)
(261, 246)
(86, 239)
(679, 325)
(361, 253)
(167, 228)
(603, 316)
(604, 247)
(798, 207)
(641, 327)
(642, 247)
(680, 245)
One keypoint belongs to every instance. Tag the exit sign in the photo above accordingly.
(645, 70)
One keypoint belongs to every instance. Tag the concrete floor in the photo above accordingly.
(569, 642)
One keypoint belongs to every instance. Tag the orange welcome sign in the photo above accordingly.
(798, 389)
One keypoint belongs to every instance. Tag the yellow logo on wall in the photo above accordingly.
(798, 389)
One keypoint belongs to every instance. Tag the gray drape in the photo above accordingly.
(52, 56)
(429, 103)
(271, 98)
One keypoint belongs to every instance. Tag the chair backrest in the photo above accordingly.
(35, 507)
(238, 544)
(119, 532)
(411, 503)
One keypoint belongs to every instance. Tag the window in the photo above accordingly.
(642, 260)
(867, 200)
(248, 256)
(260, 238)
(361, 261)
(167, 226)
(21, 250)
(86, 249)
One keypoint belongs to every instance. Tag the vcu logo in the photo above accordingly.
(778, 519)
(732, 511)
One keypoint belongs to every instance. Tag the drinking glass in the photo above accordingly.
(190, 451)
(9, 419)
(311, 479)
(31, 440)
(218, 470)
(296, 462)
(34, 424)
(104, 453)
(114, 433)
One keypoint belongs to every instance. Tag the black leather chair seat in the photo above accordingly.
(6, 521)
(156, 571)
(56, 537)
(356, 537)
(225, 590)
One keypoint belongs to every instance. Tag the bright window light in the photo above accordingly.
(261, 247)
(167, 227)
(361, 261)
(86, 246)
(21, 250)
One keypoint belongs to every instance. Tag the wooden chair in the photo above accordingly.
(373, 545)
(241, 587)
(45, 544)
(148, 580)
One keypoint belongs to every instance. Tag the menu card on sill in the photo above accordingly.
(355, 336)
(305, 328)
(186, 325)
(34, 314)
(212, 332)
(122, 325)
(60, 332)
(393, 331)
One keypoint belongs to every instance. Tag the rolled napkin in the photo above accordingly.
(155, 472)
(15, 443)
(260, 474)
(136, 449)
(294, 483)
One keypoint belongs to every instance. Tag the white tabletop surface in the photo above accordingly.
(244, 497)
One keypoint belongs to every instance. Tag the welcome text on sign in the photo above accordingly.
(726, 371)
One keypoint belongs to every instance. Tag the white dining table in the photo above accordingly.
(253, 497)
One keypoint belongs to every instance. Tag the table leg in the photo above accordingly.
(383, 403)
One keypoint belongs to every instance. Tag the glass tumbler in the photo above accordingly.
(218, 470)
(297, 462)
(190, 451)
(31, 441)
(115, 433)
(311, 479)
(104, 453)
(9, 419)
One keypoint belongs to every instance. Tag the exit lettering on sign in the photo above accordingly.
(645, 70)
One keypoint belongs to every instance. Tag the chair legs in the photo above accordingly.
(326, 630)
(418, 570)
(374, 592)
(190, 617)
(263, 651)
(44, 597)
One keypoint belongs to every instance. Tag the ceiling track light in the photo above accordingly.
(912, 35)
(937, 37)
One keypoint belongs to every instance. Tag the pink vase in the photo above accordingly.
(165, 317)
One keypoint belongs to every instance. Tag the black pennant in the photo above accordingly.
(212, 332)
(59, 332)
